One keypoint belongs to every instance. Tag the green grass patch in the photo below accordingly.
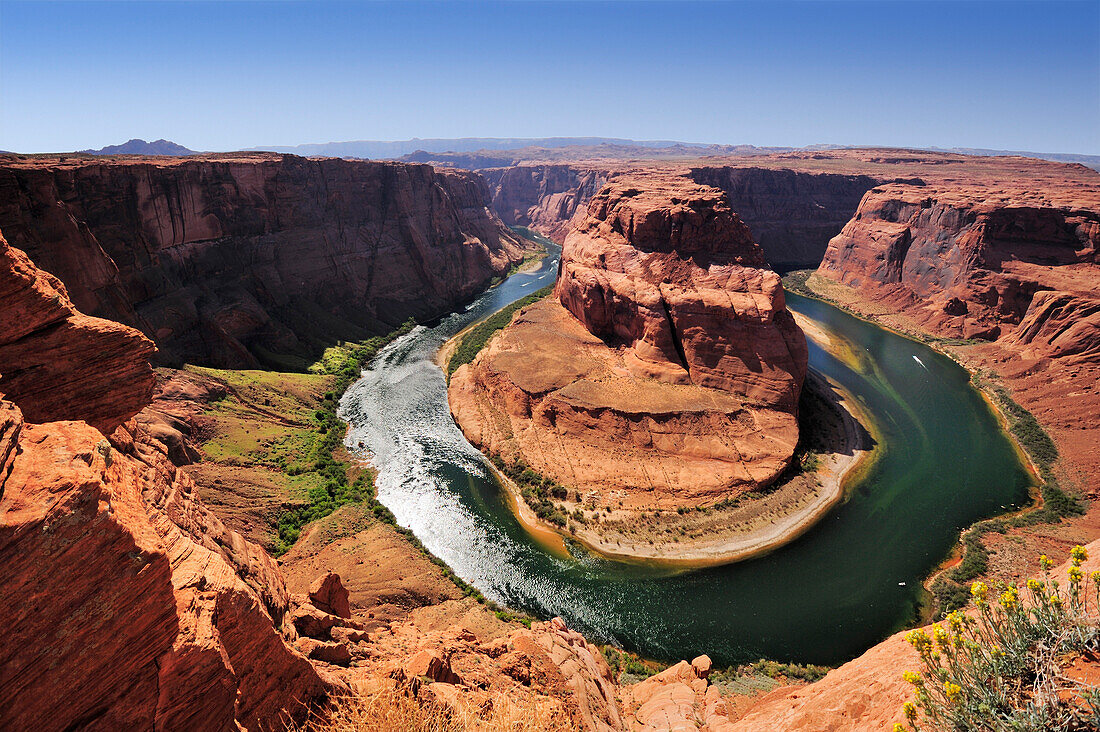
(332, 485)
(476, 338)
(539, 491)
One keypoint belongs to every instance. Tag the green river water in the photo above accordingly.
(941, 463)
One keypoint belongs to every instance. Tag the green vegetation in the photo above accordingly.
(628, 667)
(1003, 667)
(762, 675)
(773, 669)
(476, 338)
(537, 491)
(332, 485)
(796, 282)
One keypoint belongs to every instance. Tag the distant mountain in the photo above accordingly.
(397, 148)
(1090, 161)
(141, 147)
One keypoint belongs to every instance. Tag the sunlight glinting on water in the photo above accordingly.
(846, 583)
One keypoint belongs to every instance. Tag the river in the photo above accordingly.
(941, 463)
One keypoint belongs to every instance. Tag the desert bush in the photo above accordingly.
(1001, 667)
(396, 709)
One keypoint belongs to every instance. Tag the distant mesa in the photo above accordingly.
(141, 147)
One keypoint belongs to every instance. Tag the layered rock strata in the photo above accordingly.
(247, 259)
(59, 364)
(665, 370)
(968, 260)
(127, 603)
(543, 197)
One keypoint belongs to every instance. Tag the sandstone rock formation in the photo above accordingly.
(127, 603)
(667, 271)
(543, 197)
(237, 260)
(59, 364)
(666, 369)
(968, 259)
(1014, 263)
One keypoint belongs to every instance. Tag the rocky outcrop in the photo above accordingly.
(1062, 325)
(792, 214)
(59, 364)
(967, 260)
(127, 603)
(666, 270)
(247, 259)
(664, 372)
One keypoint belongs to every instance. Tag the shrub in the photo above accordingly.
(472, 343)
(1001, 666)
(334, 489)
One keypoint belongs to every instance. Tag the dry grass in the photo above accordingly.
(392, 709)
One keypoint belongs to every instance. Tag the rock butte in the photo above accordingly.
(665, 371)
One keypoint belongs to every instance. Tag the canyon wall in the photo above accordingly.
(969, 260)
(664, 371)
(248, 259)
(543, 197)
(792, 214)
(127, 604)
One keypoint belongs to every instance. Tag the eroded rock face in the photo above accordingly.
(666, 270)
(127, 603)
(59, 364)
(968, 260)
(792, 214)
(236, 260)
(665, 371)
(543, 197)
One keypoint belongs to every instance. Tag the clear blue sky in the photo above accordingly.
(216, 76)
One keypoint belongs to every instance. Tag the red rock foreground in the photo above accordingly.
(664, 372)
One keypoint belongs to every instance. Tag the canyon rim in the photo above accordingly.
(422, 429)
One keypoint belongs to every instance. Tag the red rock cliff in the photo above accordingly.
(666, 269)
(245, 259)
(543, 197)
(59, 364)
(127, 604)
(968, 259)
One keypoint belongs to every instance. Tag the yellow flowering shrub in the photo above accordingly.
(998, 667)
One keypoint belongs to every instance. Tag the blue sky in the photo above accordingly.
(217, 76)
